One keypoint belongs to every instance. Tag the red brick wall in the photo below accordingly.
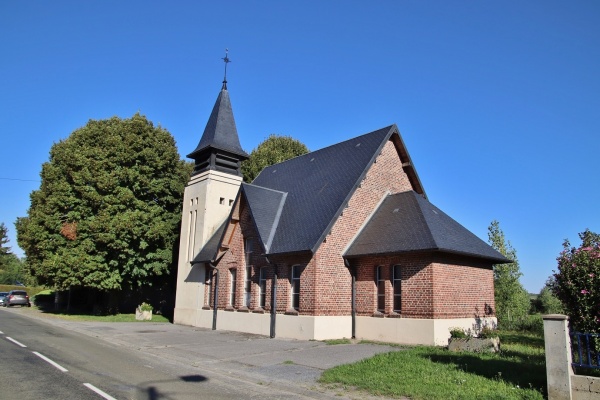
(331, 277)
(433, 286)
(462, 288)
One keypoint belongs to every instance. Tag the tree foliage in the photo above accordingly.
(512, 300)
(578, 282)
(106, 214)
(273, 150)
(11, 267)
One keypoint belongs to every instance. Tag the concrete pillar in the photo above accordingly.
(558, 356)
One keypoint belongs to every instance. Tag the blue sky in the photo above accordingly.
(497, 102)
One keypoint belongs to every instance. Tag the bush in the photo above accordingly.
(487, 333)
(578, 282)
(460, 333)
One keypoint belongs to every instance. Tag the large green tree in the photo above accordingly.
(107, 212)
(512, 300)
(273, 150)
(577, 282)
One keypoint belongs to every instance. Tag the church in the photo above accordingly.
(341, 242)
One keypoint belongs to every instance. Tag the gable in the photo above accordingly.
(320, 184)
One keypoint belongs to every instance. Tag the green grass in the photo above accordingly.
(518, 372)
(104, 318)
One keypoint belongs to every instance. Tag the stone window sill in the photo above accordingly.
(291, 311)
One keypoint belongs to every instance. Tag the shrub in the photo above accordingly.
(460, 333)
(146, 307)
(487, 333)
(578, 282)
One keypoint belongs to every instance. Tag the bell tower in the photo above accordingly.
(207, 201)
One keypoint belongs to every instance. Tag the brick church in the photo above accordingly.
(341, 242)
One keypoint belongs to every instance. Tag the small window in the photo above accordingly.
(397, 283)
(296, 271)
(262, 287)
(222, 200)
(248, 249)
(248, 286)
(209, 278)
(230, 202)
(233, 274)
(380, 284)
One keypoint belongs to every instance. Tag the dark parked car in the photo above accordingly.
(3, 297)
(17, 297)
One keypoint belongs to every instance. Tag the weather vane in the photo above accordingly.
(227, 61)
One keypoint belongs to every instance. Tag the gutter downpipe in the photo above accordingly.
(216, 297)
(352, 270)
(273, 300)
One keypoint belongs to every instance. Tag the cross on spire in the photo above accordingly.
(226, 61)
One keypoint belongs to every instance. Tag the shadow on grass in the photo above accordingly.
(520, 338)
(524, 373)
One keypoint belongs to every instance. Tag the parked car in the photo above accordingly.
(17, 297)
(3, 297)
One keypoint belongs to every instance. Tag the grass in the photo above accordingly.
(106, 318)
(423, 372)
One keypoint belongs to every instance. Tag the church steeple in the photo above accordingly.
(219, 148)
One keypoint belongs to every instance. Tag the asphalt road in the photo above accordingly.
(117, 372)
(151, 361)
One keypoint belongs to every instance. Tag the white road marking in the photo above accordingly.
(98, 391)
(49, 361)
(15, 342)
(1, 333)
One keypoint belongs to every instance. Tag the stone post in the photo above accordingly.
(558, 356)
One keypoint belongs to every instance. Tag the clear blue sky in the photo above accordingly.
(497, 102)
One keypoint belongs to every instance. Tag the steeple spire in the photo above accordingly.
(219, 148)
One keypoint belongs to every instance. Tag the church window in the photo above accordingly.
(397, 284)
(233, 274)
(296, 271)
(262, 287)
(222, 200)
(248, 277)
(248, 286)
(380, 284)
(230, 202)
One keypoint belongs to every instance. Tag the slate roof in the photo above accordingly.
(318, 186)
(407, 222)
(265, 206)
(208, 253)
(220, 131)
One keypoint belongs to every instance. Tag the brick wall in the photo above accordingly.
(332, 280)
(433, 286)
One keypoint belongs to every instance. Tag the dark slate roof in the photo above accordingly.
(220, 131)
(407, 222)
(208, 253)
(265, 206)
(318, 186)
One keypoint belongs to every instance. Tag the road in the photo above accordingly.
(29, 348)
